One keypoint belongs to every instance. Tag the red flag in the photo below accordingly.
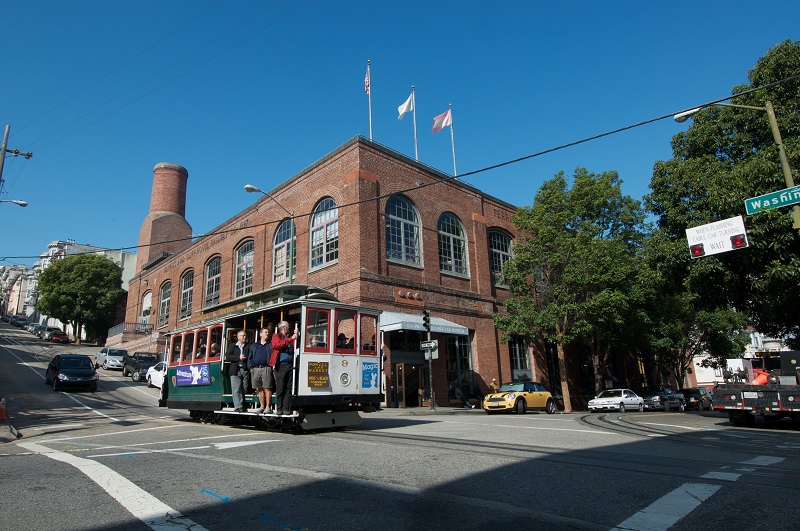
(442, 121)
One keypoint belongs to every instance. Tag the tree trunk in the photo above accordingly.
(562, 368)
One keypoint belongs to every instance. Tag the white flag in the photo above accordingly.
(408, 106)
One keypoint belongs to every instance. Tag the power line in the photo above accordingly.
(455, 178)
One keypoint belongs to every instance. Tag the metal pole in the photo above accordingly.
(3, 153)
(432, 398)
(787, 171)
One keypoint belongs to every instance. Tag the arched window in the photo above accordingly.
(163, 307)
(452, 245)
(499, 252)
(244, 269)
(212, 282)
(325, 233)
(147, 306)
(187, 289)
(280, 250)
(402, 231)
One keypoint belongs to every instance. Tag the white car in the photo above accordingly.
(617, 400)
(156, 373)
(110, 358)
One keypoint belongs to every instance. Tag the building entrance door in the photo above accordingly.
(400, 382)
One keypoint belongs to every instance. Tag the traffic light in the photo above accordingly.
(697, 250)
(739, 241)
(426, 320)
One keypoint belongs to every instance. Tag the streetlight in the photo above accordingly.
(776, 134)
(251, 188)
(15, 201)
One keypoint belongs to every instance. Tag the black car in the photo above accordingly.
(135, 365)
(71, 371)
(697, 398)
(664, 399)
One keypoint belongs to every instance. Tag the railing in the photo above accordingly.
(136, 328)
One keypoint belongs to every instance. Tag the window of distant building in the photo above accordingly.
(402, 231)
(212, 282)
(147, 304)
(280, 252)
(163, 307)
(452, 245)
(187, 289)
(499, 252)
(325, 233)
(244, 269)
(520, 360)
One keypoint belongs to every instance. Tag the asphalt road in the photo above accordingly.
(114, 460)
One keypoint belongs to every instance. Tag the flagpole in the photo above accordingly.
(369, 96)
(414, 109)
(453, 142)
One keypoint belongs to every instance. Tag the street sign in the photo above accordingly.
(432, 344)
(781, 198)
(718, 237)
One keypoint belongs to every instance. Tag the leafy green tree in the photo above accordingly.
(726, 156)
(81, 290)
(573, 274)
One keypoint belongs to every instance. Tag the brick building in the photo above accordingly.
(371, 226)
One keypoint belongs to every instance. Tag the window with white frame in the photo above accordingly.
(163, 307)
(147, 305)
(187, 289)
(325, 233)
(520, 359)
(499, 252)
(402, 231)
(244, 269)
(212, 282)
(283, 245)
(452, 245)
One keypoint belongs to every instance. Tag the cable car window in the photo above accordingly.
(369, 334)
(202, 344)
(177, 341)
(215, 348)
(188, 346)
(345, 331)
(317, 331)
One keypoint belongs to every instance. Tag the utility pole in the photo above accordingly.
(14, 152)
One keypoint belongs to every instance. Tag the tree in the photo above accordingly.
(81, 290)
(573, 267)
(726, 156)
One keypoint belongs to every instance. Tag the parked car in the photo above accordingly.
(110, 358)
(135, 365)
(156, 374)
(38, 329)
(49, 332)
(19, 322)
(520, 397)
(59, 337)
(698, 398)
(616, 400)
(30, 326)
(664, 399)
(71, 371)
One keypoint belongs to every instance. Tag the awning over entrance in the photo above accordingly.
(408, 321)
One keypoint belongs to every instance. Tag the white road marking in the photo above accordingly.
(140, 503)
(763, 460)
(55, 426)
(673, 426)
(667, 510)
(724, 476)
(219, 446)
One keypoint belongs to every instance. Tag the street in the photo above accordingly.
(114, 460)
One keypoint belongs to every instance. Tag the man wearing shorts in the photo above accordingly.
(260, 370)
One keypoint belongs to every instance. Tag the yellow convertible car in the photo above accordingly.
(520, 397)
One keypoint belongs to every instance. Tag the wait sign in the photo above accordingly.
(718, 237)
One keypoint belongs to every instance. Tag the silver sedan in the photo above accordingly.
(617, 400)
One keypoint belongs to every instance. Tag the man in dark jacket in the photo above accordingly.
(236, 357)
(260, 370)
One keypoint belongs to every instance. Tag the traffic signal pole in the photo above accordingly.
(426, 323)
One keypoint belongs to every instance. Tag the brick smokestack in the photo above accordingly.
(165, 229)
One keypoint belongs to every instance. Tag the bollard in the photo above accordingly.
(3, 408)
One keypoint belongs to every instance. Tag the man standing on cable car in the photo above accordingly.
(236, 357)
(283, 344)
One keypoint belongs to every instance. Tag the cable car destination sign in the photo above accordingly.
(781, 198)
(718, 237)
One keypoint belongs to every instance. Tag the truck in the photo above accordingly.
(771, 390)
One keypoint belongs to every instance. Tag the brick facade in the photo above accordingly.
(361, 177)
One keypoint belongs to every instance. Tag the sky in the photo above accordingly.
(249, 91)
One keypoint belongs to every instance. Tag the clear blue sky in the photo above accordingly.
(252, 92)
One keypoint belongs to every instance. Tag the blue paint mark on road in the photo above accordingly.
(217, 496)
(266, 517)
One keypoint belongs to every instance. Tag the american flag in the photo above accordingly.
(366, 82)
